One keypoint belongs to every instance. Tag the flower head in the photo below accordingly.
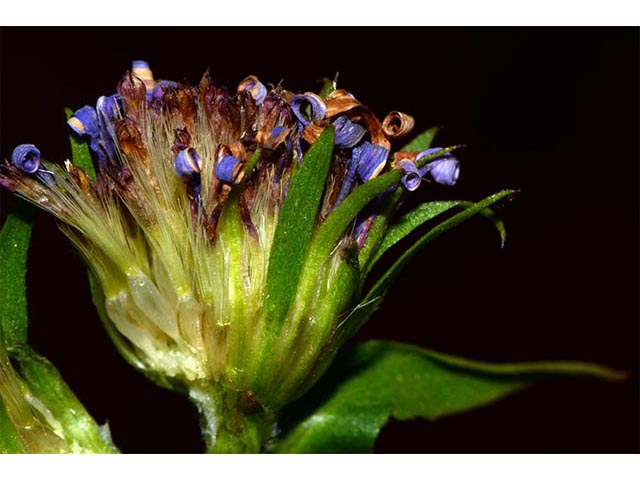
(179, 223)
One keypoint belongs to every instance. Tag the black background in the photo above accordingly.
(553, 112)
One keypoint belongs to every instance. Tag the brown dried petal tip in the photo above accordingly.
(397, 125)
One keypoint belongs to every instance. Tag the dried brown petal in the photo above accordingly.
(180, 99)
(341, 102)
(130, 140)
(312, 131)
(134, 94)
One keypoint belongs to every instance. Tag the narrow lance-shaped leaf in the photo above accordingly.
(422, 214)
(295, 226)
(374, 297)
(14, 244)
(409, 222)
(377, 380)
(383, 284)
(9, 437)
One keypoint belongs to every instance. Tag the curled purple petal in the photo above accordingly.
(255, 87)
(229, 169)
(141, 69)
(187, 162)
(84, 121)
(316, 104)
(444, 170)
(26, 157)
(370, 160)
(412, 178)
(348, 133)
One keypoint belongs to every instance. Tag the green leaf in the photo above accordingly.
(14, 244)
(46, 383)
(408, 223)
(379, 290)
(80, 155)
(295, 226)
(422, 141)
(422, 214)
(376, 380)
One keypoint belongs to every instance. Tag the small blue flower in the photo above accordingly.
(370, 159)
(229, 169)
(348, 133)
(26, 157)
(367, 161)
(187, 162)
(444, 170)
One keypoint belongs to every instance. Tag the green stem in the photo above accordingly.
(231, 421)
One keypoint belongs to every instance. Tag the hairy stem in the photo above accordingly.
(231, 421)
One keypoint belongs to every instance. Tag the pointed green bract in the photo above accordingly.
(295, 226)
(490, 215)
(409, 222)
(377, 380)
(422, 214)
(9, 439)
(14, 244)
(80, 155)
(46, 383)
(384, 282)
(375, 296)
(41, 379)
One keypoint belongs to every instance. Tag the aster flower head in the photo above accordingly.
(229, 233)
